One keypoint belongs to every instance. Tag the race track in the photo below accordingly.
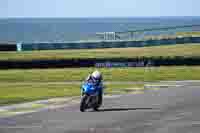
(167, 110)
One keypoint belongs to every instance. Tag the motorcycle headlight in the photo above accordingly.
(92, 88)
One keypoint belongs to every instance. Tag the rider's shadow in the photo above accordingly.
(122, 109)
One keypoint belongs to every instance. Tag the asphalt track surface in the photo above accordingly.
(167, 110)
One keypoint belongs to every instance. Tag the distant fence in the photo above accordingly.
(97, 44)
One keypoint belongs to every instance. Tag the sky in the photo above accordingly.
(98, 8)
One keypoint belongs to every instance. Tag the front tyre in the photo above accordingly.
(83, 103)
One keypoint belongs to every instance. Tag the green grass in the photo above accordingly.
(12, 93)
(111, 74)
(18, 86)
(194, 33)
(184, 50)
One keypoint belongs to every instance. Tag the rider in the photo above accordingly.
(96, 78)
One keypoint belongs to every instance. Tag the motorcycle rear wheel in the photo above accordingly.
(96, 108)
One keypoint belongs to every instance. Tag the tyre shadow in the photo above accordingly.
(123, 109)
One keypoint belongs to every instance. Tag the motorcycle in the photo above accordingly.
(90, 97)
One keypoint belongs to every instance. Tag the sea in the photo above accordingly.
(74, 29)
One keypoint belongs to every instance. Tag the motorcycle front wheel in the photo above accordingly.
(83, 103)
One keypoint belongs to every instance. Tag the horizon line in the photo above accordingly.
(97, 17)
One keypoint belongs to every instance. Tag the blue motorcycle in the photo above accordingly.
(91, 96)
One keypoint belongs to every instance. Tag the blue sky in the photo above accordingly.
(98, 8)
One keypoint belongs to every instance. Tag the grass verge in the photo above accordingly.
(110, 74)
(182, 50)
(12, 93)
(18, 86)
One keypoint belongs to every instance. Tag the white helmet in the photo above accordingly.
(96, 75)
